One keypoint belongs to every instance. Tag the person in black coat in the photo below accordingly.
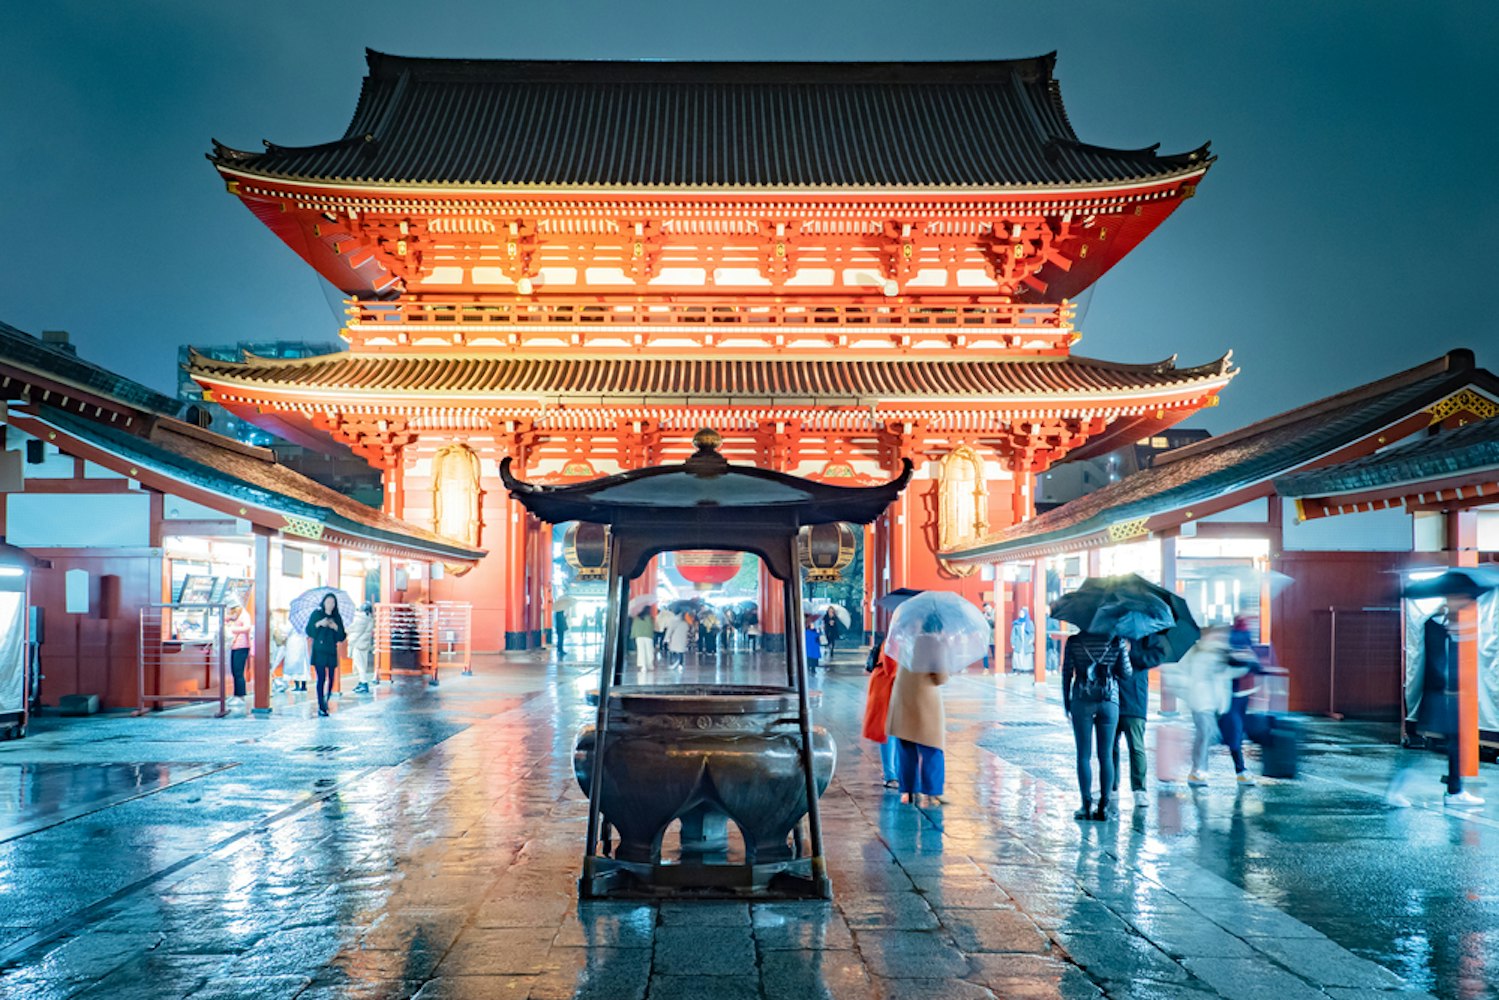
(1093, 668)
(1439, 704)
(1134, 706)
(325, 629)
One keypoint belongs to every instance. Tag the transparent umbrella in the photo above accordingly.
(640, 603)
(937, 632)
(304, 604)
(820, 608)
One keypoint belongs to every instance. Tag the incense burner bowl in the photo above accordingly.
(707, 754)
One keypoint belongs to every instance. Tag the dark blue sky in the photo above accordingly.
(1348, 229)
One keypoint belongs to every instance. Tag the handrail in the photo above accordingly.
(155, 621)
(614, 311)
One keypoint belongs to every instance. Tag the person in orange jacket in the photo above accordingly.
(876, 711)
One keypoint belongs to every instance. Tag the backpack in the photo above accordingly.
(1095, 682)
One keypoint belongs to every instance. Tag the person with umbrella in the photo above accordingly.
(1440, 684)
(1094, 664)
(325, 630)
(931, 636)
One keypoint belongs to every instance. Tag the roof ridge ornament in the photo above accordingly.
(706, 462)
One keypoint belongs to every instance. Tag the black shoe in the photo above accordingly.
(1085, 813)
(1104, 812)
(322, 712)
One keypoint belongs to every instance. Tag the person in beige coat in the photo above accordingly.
(919, 726)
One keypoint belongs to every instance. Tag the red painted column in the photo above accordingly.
(1038, 613)
(1002, 626)
(1462, 550)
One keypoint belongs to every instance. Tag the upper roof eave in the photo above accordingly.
(449, 189)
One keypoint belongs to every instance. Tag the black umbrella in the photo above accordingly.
(1167, 646)
(1133, 615)
(1081, 606)
(682, 607)
(1465, 581)
(896, 598)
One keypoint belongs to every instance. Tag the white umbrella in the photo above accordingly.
(564, 603)
(640, 603)
(936, 632)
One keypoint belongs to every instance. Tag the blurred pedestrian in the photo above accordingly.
(877, 712)
(813, 640)
(240, 630)
(1093, 667)
(1203, 680)
(362, 647)
(1244, 670)
(678, 633)
(559, 632)
(643, 634)
(325, 629)
(1438, 711)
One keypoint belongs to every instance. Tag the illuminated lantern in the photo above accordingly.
(586, 549)
(708, 568)
(826, 551)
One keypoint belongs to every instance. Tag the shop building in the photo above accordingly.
(1207, 521)
(129, 506)
(838, 266)
(1448, 483)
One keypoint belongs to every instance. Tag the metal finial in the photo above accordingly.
(707, 439)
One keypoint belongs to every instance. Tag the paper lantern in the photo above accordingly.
(585, 547)
(826, 550)
(708, 568)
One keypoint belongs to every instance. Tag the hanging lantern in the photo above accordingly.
(826, 550)
(585, 547)
(708, 568)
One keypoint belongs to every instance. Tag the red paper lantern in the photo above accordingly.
(708, 568)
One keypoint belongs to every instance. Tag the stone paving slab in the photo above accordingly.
(434, 853)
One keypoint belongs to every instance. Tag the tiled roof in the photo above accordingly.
(1471, 448)
(829, 381)
(31, 354)
(707, 124)
(250, 475)
(1222, 465)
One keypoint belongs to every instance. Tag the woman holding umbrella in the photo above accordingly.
(931, 636)
(325, 630)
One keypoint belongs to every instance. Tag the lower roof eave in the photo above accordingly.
(1027, 550)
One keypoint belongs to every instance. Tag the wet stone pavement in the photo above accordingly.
(425, 842)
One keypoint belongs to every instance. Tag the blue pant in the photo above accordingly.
(890, 759)
(922, 770)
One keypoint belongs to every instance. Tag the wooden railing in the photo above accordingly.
(1044, 328)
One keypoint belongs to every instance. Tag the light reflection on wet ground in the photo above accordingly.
(426, 843)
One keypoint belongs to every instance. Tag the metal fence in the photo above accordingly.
(182, 651)
(1364, 650)
(423, 638)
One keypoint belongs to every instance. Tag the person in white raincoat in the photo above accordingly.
(677, 635)
(361, 640)
(297, 667)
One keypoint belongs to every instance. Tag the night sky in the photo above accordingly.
(1347, 231)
